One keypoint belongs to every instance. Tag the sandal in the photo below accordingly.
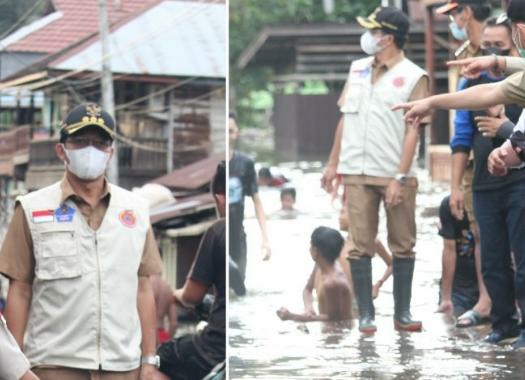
(471, 318)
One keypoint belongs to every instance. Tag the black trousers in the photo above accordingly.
(180, 359)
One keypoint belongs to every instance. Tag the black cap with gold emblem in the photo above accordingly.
(389, 19)
(85, 115)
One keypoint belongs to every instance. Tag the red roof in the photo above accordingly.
(79, 20)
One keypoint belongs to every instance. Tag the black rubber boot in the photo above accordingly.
(362, 279)
(403, 273)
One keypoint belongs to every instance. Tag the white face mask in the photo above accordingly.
(370, 44)
(87, 163)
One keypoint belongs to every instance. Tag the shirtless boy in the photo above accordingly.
(328, 280)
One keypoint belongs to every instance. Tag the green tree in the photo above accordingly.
(15, 14)
(249, 17)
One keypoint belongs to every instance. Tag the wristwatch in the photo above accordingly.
(401, 178)
(151, 360)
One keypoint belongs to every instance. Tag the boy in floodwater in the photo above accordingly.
(327, 278)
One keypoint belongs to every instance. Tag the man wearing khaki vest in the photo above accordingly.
(374, 150)
(78, 255)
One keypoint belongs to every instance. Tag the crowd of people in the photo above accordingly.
(385, 102)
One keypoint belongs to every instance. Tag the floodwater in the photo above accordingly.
(264, 347)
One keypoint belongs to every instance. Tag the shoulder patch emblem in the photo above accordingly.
(64, 213)
(128, 218)
(398, 82)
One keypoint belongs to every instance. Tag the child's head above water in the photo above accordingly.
(288, 198)
(327, 242)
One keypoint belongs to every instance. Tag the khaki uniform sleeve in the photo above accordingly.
(514, 88)
(342, 97)
(16, 256)
(421, 91)
(151, 262)
(514, 65)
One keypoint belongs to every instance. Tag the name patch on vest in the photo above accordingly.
(43, 216)
(128, 218)
(362, 73)
(64, 214)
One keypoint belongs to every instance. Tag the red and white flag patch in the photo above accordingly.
(43, 216)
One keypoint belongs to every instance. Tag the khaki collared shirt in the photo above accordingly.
(514, 88)
(16, 256)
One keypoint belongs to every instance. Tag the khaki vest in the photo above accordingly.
(83, 312)
(373, 134)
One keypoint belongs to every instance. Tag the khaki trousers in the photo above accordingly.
(363, 210)
(82, 374)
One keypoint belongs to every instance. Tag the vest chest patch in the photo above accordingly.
(64, 214)
(43, 216)
(361, 73)
(128, 218)
(398, 82)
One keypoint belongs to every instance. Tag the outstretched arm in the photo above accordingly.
(447, 276)
(330, 170)
(287, 315)
(261, 219)
(473, 98)
(387, 258)
(308, 299)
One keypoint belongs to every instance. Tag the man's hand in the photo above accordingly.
(328, 178)
(266, 251)
(394, 194)
(489, 126)
(473, 67)
(375, 289)
(29, 375)
(149, 372)
(457, 204)
(496, 162)
(177, 296)
(446, 307)
(415, 111)
(283, 313)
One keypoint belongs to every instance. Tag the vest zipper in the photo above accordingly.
(365, 142)
(99, 330)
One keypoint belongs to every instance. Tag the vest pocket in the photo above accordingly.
(58, 256)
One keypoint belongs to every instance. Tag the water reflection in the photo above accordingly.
(264, 347)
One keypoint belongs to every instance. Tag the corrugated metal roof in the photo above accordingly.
(193, 176)
(176, 38)
(73, 21)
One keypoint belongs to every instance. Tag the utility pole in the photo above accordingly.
(394, 3)
(106, 81)
(169, 150)
(328, 6)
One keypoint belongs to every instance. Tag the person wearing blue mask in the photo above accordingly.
(480, 132)
(467, 19)
(466, 24)
(374, 151)
(502, 161)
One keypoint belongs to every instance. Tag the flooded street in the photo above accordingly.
(264, 347)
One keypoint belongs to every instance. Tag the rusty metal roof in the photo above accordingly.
(183, 207)
(192, 177)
